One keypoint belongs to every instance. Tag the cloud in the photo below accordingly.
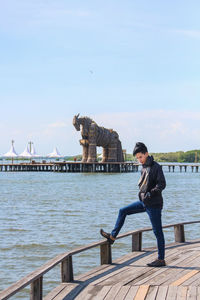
(161, 130)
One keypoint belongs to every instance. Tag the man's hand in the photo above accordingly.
(147, 198)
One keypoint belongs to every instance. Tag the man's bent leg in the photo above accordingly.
(135, 207)
(155, 218)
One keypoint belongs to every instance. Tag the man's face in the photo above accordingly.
(141, 157)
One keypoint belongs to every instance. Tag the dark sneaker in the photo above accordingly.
(157, 263)
(108, 236)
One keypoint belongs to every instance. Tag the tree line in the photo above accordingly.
(179, 156)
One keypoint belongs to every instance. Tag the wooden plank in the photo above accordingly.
(152, 292)
(68, 288)
(162, 293)
(149, 273)
(184, 278)
(181, 293)
(104, 291)
(55, 292)
(87, 292)
(171, 293)
(192, 293)
(131, 293)
(122, 292)
(117, 270)
(189, 264)
(115, 277)
(160, 275)
(195, 280)
(132, 273)
(142, 292)
(107, 279)
(113, 292)
(73, 292)
(98, 270)
(198, 293)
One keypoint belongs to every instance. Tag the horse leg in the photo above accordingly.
(92, 153)
(104, 155)
(85, 154)
(112, 152)
(92, 148)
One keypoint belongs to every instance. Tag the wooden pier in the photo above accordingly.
(126, 278)
(182, 167)
(71, 167)
(98, 167)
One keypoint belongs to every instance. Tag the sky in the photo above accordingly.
(133, 66)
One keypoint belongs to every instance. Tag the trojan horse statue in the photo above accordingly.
(93, 136)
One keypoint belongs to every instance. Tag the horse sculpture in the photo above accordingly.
(93, 136)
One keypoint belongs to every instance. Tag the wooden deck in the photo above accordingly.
(125, 278)
(129, 278)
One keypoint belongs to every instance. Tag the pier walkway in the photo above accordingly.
(97, 167)
(126, 278)
(71, 167)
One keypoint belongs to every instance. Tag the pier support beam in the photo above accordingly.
(67, 270)
(179, 233)
(106, 254)
(137, 241)
(36, 289)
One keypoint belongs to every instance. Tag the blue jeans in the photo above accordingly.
(154, 214)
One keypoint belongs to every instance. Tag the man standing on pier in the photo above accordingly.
(151, 184)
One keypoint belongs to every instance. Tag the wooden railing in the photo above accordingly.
(35, 279)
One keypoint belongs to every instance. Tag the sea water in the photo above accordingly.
(45, 214)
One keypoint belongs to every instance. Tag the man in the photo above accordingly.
(151, 184)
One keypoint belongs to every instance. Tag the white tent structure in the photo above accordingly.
(26, 153)
(33, 152)
(11, 153)
(55, 154)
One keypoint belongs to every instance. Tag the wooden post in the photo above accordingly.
(179, 233)
(137, 241)
(36, 289)
(106, 253)
(67, 270)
